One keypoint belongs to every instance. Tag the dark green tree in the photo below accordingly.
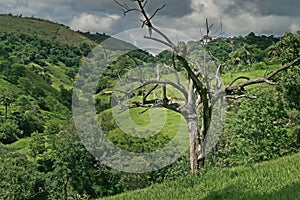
(19, 177)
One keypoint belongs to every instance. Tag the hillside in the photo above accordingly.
(278, 179)
(42, 28)
(38, 62)
(48, 30)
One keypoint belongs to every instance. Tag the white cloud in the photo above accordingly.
(294, 28)
(238, 16)
(240, 24)
(94, 22)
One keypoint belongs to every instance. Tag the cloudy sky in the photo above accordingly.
(239, 17)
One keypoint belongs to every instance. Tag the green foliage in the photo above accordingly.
(37, 145)
(36, 88)
(289, 47)
(31, 121)
(290, 87)
(9, 132)
(70, 169)
(13, 72)
(255, 131)
(52, 128)
(19, 178)
(241, 50)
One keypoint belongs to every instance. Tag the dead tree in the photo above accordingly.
(199, 95)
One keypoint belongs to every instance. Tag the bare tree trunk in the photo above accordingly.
(193, 128)
(164, 94)
(197, 134)
(201, 154)
(148, 93)
(197, 139)
(194, 143)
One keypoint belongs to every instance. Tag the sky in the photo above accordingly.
(238, 17)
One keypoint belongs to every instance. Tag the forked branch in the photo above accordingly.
(266, 79)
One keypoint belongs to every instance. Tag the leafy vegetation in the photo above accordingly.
(36, 76)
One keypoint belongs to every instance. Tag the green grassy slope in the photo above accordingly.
(43, 28)
(277, 179)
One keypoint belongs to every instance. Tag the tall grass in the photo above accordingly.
(277, 179)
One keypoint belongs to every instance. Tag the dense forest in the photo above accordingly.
(42, 156)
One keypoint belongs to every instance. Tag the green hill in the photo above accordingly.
(42, 28)
(39, 60)
(277, 179)
(36, 76)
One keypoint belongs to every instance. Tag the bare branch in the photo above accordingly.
(161, 82)
(125, 8)
(163, 35)
(235, 97)
(145, 4)
(157, 11)
(219, 94)
(148, 93)
(218, 78)
(241, 86)
(271, 82)
(122, 5)
(131, 10)
(147, 20)
(175, 73)
(153, 87)
(174, 107)
(238, 78)
(197, 83)
(168, 42)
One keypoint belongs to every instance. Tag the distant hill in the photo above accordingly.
(112, 43)
(53, 31)
(40, 27)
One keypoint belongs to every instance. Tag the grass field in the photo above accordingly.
(278, 179)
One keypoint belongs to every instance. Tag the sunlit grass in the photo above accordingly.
(59, 77)
(22, 145)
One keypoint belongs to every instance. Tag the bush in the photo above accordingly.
(257, 132)
(9, 132)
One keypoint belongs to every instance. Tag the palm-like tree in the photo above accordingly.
(6, 100)
(273, 51)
